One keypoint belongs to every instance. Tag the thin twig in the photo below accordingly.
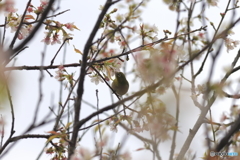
(99, 127)
(65, 40)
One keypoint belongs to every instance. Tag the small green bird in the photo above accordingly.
(120, 84)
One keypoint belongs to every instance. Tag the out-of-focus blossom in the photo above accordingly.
(153, 65)
(212, 2)
(60, 73)
(81, 153)
(55, 39)
(47, 39)
(126, 156)
(148, 32)
(96, 79)
(30, 9)
(8, 6)
(231, 44)
(44, 2)
(138, 129)
(113, 128)
(103, 142)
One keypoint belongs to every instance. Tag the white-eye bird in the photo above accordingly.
(120, 84)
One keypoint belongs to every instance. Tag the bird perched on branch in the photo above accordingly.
(120, 84)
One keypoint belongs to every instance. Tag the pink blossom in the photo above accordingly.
(30, 9)
(60, 73)
(126, 156)
(20, 36)
(61, 68)
(40, 9)
(47, 40)
(44, 2)
(23, 32)
(55, 39)
(9, 6)
(70, 26)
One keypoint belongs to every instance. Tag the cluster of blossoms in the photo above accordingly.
(81, 154)
(107, 68)
(53, 28)
(156, 120)
(8, 6)
(62, 74)
(149, 32)
(55, 150)
(112, 33)
(102, 150)
(14, 21)
(173, 3)
(59, 148)
(154, 64)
